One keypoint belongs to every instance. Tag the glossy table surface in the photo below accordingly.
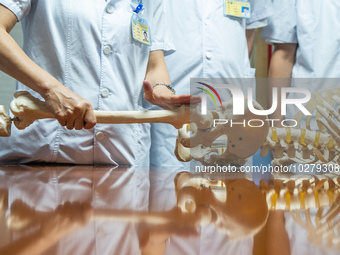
(109, 210)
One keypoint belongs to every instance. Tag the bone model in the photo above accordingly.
(28, 109)
(198, 139)
(290, 145)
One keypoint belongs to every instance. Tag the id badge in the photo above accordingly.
(140, 30)
(237, 9)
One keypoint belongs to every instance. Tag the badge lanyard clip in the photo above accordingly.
(139, 8)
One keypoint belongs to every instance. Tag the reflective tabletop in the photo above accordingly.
(115, 210)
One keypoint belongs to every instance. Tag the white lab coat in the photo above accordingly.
(88, 47)
(208, 45)
(312, 25)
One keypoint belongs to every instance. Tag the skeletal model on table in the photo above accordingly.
(198, 134)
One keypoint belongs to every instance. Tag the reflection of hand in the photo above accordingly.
(67, 218)
(164, 98)
(153, 239)
(3, 201)
(70, 109)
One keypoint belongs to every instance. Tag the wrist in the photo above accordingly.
(169, 86)
(47, 85)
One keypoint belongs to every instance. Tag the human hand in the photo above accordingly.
(70, 109)
(164, 98)
(67, 218)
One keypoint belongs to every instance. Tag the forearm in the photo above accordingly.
(282, 61)
(250, 34)
(162, 96)
(35, 243)
(16, 63)
(70, 109)
(280, 73)
(156, 70)
(277, 240)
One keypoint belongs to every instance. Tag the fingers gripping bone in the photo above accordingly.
(27, 109)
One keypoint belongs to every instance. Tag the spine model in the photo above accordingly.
(299, 146)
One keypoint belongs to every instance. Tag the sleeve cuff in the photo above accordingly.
(15, 7)
(167, 48)
(277, 37)
(257, 24)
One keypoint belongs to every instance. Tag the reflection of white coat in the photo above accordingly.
(208, 45)
(88, 47)
(298, 237)
(104, 188)
(209, 240)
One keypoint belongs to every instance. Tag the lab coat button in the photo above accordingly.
(107, 50)
(105, 93)
(207, 22)
(208, 55)
(109, 9)
(100, 136)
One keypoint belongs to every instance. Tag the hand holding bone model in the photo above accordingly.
(208, 141)
(28, 109)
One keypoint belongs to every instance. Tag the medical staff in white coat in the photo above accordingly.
(88, 48)
(308, 26)
(307, 50)
(305, 43)
(208, 45)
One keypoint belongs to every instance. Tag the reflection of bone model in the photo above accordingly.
(290, 145)
(297, 194)
(301, 193)
(235, 206)
(199, 140)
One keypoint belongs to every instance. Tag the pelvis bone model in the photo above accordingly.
(289, 145)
